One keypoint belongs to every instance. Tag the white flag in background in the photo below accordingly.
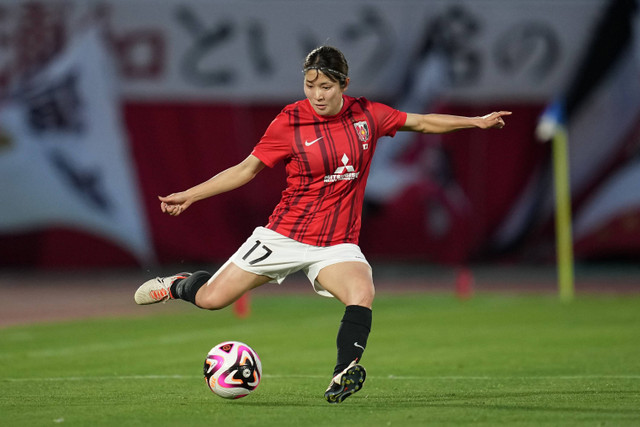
(64, 156)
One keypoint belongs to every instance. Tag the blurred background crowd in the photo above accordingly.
(104, 105)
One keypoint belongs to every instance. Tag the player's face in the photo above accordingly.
(324, 94)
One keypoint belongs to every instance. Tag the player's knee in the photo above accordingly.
(208, 304)
(209, 299)
(213, 302)
(362, 295)
(367, 300)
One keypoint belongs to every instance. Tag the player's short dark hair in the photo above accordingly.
(330, 61)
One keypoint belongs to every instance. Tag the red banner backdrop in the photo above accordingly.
(175, 146)
(199, 88)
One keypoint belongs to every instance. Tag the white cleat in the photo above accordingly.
(157, 290)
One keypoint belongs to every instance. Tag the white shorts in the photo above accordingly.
(271, 254)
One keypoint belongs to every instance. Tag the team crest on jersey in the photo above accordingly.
(362, 129)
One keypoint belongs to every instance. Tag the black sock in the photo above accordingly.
(186, 289)
(352, 335)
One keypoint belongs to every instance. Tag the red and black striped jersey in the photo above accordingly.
(327, 162)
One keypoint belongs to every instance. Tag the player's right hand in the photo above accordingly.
(174, 204)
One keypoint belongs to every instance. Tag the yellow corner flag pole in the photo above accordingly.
(564, 239)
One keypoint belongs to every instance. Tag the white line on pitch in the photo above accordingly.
(390, 377)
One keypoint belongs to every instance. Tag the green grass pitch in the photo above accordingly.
(514, 360)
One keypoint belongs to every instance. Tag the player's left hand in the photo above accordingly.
(493, 120)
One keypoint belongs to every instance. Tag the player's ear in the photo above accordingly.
(346, 84)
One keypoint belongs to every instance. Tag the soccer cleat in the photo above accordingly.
(346, 383)
(157, 290)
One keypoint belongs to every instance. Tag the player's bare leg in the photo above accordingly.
(200, 288)
(226, 286)
(352, 284)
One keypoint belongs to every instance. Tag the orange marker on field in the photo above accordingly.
(464, 283)
(241, 307)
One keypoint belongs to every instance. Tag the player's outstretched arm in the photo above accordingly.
(443, 123)
(227, 180)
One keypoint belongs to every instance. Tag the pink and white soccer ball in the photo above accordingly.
(232, 370)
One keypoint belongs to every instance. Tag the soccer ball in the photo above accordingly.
(232, 370)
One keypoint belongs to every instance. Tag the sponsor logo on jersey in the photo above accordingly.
(346, 172)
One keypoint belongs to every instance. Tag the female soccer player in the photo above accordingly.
(326, 142)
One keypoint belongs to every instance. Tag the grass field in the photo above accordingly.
(431, 360)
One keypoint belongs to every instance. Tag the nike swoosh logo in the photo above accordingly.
(309, 144)
(355, 344)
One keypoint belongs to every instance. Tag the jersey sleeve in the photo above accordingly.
(389, 119)
(275, 144)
